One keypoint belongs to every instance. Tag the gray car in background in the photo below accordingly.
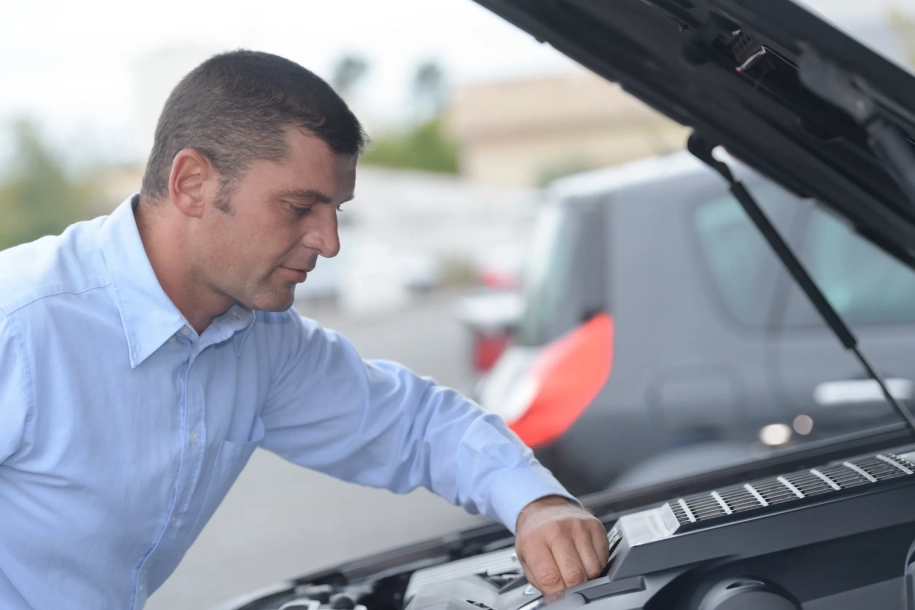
(658, 329)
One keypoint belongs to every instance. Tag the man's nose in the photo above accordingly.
(322, 235)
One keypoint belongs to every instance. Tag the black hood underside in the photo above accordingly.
(778, 87)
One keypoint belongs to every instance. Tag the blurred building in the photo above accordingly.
(524, 133)
(410, 230)
(445, 215)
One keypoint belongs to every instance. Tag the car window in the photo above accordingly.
(546, 274)
(863, 283)
(741, 264)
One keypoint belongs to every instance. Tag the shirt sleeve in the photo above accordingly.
(14, 389)
(377, 423)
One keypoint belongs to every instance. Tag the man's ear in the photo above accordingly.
(192, 182)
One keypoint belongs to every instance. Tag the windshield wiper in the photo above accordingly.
(702, 150)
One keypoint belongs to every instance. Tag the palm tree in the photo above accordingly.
(348, 72)
(428, 90)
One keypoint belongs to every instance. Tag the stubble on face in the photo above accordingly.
(258, 242)
(223, 200)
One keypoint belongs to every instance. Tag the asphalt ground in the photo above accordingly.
(281, 520)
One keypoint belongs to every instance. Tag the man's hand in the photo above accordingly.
(559, 544)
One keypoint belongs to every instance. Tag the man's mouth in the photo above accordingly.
(298, 275)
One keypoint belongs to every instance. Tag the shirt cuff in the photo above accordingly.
(515, 489)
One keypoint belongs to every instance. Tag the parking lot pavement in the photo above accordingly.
(280, 520)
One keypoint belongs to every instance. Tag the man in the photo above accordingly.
(144, 356)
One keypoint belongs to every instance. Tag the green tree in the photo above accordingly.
(424, 147)
(37, 195)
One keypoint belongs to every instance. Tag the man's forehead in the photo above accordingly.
(320, 187)
(346, 163)
(307, 145)
(315, 172)
(346, 177)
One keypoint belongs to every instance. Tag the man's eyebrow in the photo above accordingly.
(309, 196)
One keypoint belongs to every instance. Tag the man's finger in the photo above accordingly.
(588, 554)
(601, 544)
(541, 569)
(567, 557)
(529, 574)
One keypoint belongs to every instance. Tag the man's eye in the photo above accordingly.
(300, 211)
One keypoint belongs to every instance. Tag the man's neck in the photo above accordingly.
(165, 241)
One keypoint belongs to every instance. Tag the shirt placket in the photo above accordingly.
(193, 443)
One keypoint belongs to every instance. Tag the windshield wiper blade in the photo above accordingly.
(702, 150)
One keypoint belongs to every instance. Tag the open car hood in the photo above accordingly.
(778, 87)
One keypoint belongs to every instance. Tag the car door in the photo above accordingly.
(709, 378)
(690, 286)
(826, 390)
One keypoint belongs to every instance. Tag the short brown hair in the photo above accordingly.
(236, 107)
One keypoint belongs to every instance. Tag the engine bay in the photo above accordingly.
(834, 537)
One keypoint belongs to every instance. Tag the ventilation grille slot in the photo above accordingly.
(743, 47)
(614, 537)
(795, 487)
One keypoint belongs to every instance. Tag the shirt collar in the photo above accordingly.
(149, 317)
(243, 322)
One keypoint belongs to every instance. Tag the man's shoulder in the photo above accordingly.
(286, 332)
(69, 263)
(288, 342)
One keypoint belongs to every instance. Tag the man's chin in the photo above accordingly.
(279, 301)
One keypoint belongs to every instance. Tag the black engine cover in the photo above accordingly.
(835, 537)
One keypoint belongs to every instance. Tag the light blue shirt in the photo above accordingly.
(121, 429)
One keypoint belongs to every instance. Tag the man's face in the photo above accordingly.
(261, 240)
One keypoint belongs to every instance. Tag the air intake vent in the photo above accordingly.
(701, 509)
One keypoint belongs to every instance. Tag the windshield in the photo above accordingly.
(886, 26)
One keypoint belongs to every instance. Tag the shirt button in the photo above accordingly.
(172, 339)
(195, 438)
